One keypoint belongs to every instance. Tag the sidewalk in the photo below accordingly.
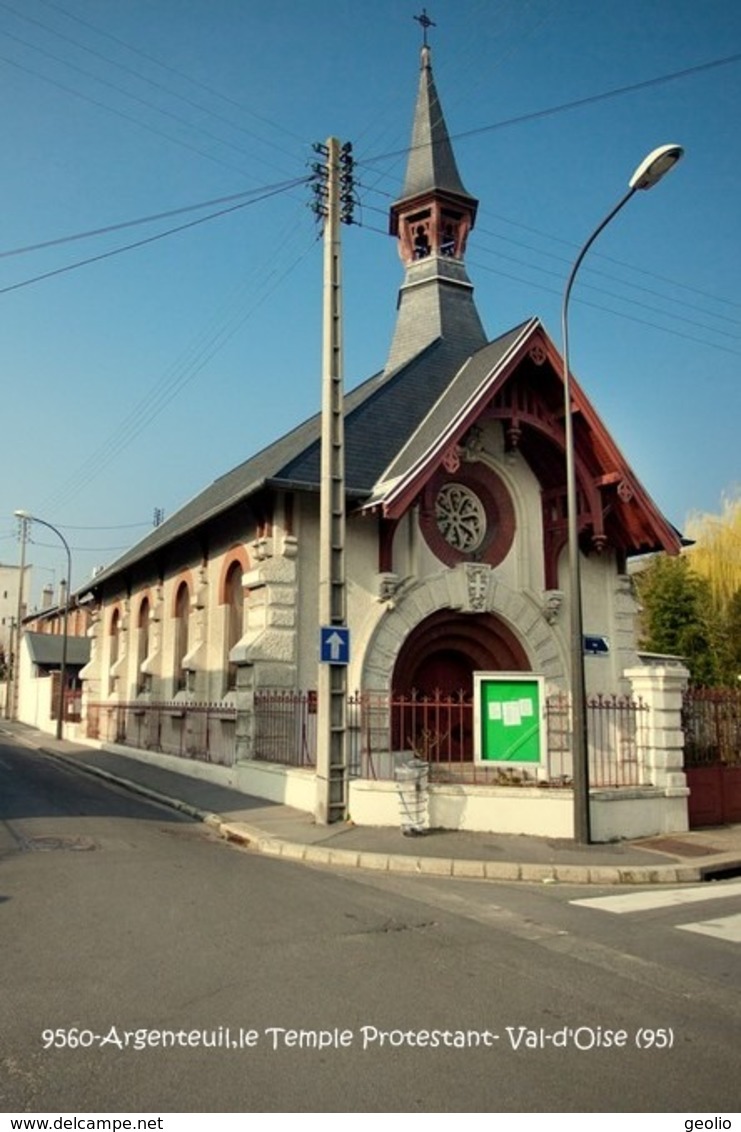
(281, 831)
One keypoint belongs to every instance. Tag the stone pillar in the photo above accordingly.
(244, 733)
(195, 662)
(150, 674)
(91, 677)
(119, 672)
(266, 655)
(625, 609)
(661, 742)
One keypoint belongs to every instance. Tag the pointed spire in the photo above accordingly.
(431, 165)
(432, 220)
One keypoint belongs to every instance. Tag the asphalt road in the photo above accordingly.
(121, 921)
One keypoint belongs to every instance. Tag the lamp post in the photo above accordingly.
(649, 173)
(28, 517)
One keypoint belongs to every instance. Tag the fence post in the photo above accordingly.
(661, 741)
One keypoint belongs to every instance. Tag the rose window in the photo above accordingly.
(461, 517)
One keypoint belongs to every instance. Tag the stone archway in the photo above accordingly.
(505, 631)
(444, 650)
(432, 681)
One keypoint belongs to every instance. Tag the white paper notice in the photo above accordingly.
(495, 710)
(526, 708)
(511, 713)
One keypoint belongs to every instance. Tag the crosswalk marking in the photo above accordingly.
(665, 898)
(725, 927)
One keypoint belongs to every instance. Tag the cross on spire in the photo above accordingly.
(425, 22)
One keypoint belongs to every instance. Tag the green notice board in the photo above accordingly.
(509, 718)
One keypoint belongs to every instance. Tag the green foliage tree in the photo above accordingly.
(692, 604)
(680, 617)
(733, 636)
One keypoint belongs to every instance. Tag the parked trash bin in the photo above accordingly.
(412, 777)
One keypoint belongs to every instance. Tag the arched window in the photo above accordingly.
(234, 600)
(182, 620)
(142, 645)
(115, 635)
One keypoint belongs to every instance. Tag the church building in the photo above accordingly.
(455, 550)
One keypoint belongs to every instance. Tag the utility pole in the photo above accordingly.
(333, 192)
(15, 654)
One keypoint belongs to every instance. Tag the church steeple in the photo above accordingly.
(431, 165)
(431, 222)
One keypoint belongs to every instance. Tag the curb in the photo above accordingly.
(258, 841)
(136, 788)
(459, 868)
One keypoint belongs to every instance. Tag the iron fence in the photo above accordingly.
(382, 730)
(711, 718)
(195, 731)
(615, 732)
(285, 727)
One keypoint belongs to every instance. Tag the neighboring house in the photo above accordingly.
(49, 620)
(456, 529)
(41, 663)
(40, 667)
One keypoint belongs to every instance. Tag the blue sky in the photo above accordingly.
(131, 383)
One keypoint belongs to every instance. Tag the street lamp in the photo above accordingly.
(649, 173)
(20, 514)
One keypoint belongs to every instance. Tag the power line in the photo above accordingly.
(78, 549)
(108, 228)
(137, 75)
(152, 239)
(118, 527)
(150, 407)
(620, 314)
(172, 70)
(589, 100)
(178, 118)
(122, 114)
(605, 275)
(612, 259)
(590, 270)
(610, 310)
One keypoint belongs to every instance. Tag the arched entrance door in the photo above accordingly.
(432, 685)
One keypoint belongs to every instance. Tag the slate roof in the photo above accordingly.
(45, 649)
(459, 405)
(431, 165)
(380, 415)
(451, 406)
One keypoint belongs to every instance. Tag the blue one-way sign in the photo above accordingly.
(334, 644)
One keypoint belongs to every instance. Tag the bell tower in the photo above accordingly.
(431, 222)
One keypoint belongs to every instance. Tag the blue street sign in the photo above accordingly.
(334, 644)
(596, 646)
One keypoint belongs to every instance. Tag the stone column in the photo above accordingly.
(661, 741)
(91, 678)
(195, 662)
(266, 654)
(244, 733)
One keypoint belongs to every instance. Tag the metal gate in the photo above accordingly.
(712, 755)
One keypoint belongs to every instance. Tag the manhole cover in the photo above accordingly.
(49, 844)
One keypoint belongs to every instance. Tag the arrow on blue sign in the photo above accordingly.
(334, 647)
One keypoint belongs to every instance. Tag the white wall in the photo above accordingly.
(35, 694)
